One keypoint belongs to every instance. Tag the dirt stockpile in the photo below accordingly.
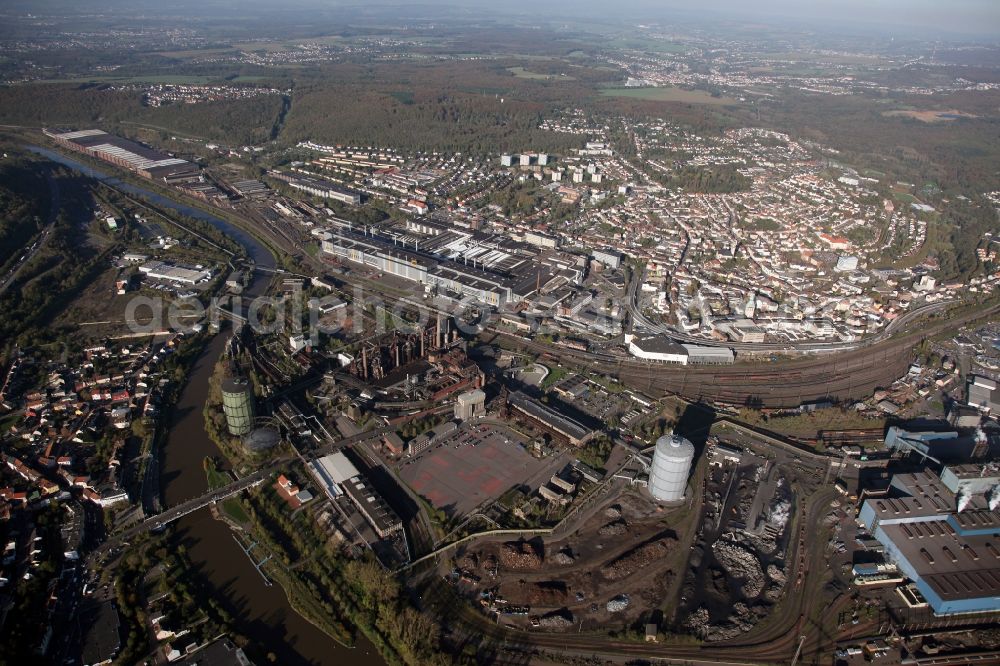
(637, 558)
(545, 594)
(520, 555)
(467, 561)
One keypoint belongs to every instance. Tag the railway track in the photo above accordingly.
(849, 375)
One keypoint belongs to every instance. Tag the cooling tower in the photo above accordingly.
(668, 476)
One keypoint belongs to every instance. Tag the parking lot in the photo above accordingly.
(472, 466)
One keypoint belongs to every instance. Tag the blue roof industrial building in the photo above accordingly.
(943, 532)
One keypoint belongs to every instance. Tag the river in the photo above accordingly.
(261, 612)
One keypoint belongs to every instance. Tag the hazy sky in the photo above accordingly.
(973, 17)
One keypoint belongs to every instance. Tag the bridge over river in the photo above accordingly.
(184, 508)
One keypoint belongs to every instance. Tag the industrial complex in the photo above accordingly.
(642, 352)
(127, 154)
(943, 533)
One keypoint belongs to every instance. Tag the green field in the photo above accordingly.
(230, 506)
(403, 96)
(195, 53)
(668, 94)
(648, 44)
(234, 509)
(270, 47)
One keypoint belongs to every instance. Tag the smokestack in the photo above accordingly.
(981, 447)
(963, 499)
(364, 361)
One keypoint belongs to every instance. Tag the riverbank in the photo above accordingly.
(260, 612)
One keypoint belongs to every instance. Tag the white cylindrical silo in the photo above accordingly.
(668, 475)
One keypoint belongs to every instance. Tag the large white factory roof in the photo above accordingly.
(337, 467)
(79, 134)
(136, 161)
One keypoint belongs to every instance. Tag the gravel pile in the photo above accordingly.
(617, 528)
(563, 558)
(740, 621)
(560, 619)
(698, 621)
(618, 604)
(760, 543)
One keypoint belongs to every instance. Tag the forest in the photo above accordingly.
(959, 155)
(458, 122)
(970, 220)
(450, 106)
(717, 180)
(62, 266)
(237, 122)
(24, 202)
